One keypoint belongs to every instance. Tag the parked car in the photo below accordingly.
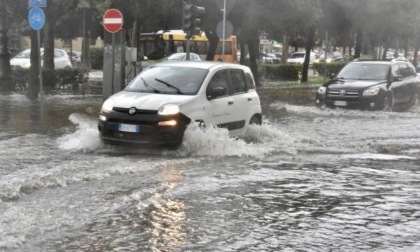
(269, 58)
(75, 57)
(158, 105)
(373, 85)
(183, 56)
(22, 60)
(299, 58)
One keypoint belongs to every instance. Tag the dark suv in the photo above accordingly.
(373, 85)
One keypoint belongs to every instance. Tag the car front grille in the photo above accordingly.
(346, 93)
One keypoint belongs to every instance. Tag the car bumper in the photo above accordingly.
(148, 129)
(365, 103)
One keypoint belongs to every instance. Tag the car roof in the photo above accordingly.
(200, 64)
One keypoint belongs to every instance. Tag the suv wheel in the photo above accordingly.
(388, 103)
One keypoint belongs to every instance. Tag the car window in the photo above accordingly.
(219, 79)
(249, 81)
(406, 70)
(58, 54)
(396, 71)
(238, 84)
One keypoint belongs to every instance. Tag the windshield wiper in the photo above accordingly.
(147, 85)
(169, 85)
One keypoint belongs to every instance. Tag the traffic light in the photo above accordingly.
(191, 19)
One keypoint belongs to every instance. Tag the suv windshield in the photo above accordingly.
(168, 80)
(360, 71)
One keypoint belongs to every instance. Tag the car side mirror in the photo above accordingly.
(216, 92)
(397, 78)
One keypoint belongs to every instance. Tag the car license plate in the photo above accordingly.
(340, 103)
(128, 128)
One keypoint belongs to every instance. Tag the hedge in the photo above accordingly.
(285, 72)
(331, 68)
(67, 78)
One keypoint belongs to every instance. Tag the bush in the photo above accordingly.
(97, 57)
(67, 78)
(284, 72)
(331, 68)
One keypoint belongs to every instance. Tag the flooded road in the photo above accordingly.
(306, 180)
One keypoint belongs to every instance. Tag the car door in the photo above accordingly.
(409, 80)
(397, 85)
(220, 102)
(240, 100)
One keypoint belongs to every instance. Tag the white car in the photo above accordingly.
(22, 60)
(159, 104)
(299, 58)
(183, 56)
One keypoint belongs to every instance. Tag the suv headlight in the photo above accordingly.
(371, 91)
(108, 105)
(322, 90)
(169, 109)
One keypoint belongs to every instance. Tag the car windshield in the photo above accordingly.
(361, 71)
(23, 55)
(297, 55)
(177, 56)
(168, 80)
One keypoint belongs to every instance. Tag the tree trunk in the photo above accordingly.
(5, 72)
(33, 85)
(49, 79)
(309, 44)
(359, 40)
(253, 55)
(285, 49)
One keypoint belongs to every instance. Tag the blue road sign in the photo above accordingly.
(36, 18)
(37, 3)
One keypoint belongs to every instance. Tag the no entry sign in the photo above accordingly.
(112, 20)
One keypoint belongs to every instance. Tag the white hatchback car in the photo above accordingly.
(23, 59)
(159, 104)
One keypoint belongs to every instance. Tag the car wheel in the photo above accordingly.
(388, 103)
(255, 119)
(414, 99)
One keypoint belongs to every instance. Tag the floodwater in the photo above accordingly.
(306, 180)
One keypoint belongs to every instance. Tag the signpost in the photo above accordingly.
(36, 18)
(37, 3)
(113, 22)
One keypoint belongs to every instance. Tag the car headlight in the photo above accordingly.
(107, 106)
(371, 91)
(322, 90)
(169, 109)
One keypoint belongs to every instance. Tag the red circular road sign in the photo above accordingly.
(112, 20)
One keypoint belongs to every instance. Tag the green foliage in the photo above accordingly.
(67, 78)
(284, 72)
(97, 57)
(331, 68)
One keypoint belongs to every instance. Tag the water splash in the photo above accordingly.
(85, 138)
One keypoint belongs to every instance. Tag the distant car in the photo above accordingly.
(371, 85)
(269, 58)
(75, 57)
(158, 105)
(22, 60)
(299, 58)
(183, 56)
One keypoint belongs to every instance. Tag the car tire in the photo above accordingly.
(388, 103)
(414, 99)
(255, 120)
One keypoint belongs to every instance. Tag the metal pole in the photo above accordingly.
(224, 30)
(41, 89)
(113, 63)
(325, 56)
